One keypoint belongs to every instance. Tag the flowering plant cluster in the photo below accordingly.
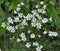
(32, 28)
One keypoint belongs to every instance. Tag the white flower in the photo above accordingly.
(38, 25)
(10, 28)
(3, 25)
(29, 31)
(16, 19)
(33, 24)
(13, 30)
(32, 35)
(29, 17)
(45, 32)
(20, 15)
(38, 16)
(37, 6)
(16, 27)
(44, 7)
(43, 12)
(50, 18)
(22, 35)
(41, 2)
(18, 5)
(10, 20)
(38, 48)
(39, 36)
(22, 3)
(34, 20)
(15, 12)
(18, 40)
(44, 20)
(24, 22)
(51, 33)
(35, 43)
(18, 8)
(40, 10)
(34, 11)
(23, 39)
(28, 45)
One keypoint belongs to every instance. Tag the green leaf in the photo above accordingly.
(50, 10)
(45, 1)
(1, 1)
(7, 3)
(57, 21)
(53, 2)
(57, 12)
(10, 8)
(2, 31)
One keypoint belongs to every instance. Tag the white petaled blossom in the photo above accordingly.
(41, 2)
(44, 7)
(16, 19)
(24, 22)
(44, 20)
(39, 36)
(16, 27)
(10, 28)
(18, 5)
(34, 12)
(38, 48)
(29, 17)
(18, 8)
(33, 20)
(15, 12)
(20, 15)
(29, 31)
(33, 24)
(37, 6)
(43, 12)
(22, 3)
(3, 25)
(32, 35)
(10, 20)
(38, 25)
(38, 16)
(35, 44)
(40, 10)
(18, 40)
(13, 30)
(51, 33)
(50, 18)
(22, 35)
(45, 32)
(28, 45)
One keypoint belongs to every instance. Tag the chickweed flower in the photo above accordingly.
(44, 20)
(28, 45)
(32, 35)
(41, 2)
(3, 25)
(18, 40)
(31, 26)
(51, 33)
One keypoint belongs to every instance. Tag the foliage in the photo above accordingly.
(7, 7)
